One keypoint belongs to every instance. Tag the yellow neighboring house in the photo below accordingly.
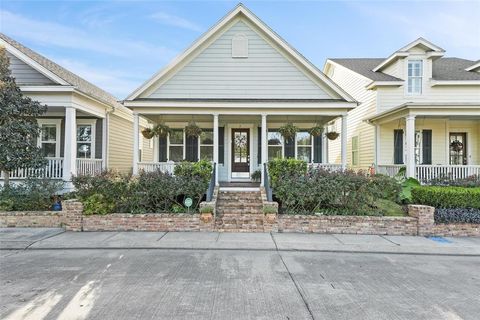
(85, 129)
(417, 109)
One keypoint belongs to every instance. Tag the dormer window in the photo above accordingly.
(239, 46)
(415, 71)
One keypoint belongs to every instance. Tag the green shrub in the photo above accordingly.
(31, 195)
(270, 210)
(6, 205)
(447, 197)
(97, 204)
(286, 167)
(201, 169)
(257, 175)
(389, 208)
(338, 192)
(206, 209)
(149, 192)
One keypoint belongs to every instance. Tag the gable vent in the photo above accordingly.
(239, 46)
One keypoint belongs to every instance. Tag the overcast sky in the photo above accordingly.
(118, 45)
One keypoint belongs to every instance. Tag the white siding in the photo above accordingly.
(354, 84)
(264, 74)
(24, 74)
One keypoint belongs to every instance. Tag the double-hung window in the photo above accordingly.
(206, 144)
(86, 139)
(275, 145)
(49, 138)
(415, 70)
(176, 144)
(304, 146)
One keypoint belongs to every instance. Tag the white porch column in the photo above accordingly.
(136, 142)
(344, 141)
(264, 155)
(70, 147)
(324, 145)
(215, 145)
(410, 142)
(104, 140)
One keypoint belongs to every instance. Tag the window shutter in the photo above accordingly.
(192, 149)
(162, 149)
(259, 151)
(317, 149)
(427, 146)
(398, 146)
(289, 150)
(221, 145)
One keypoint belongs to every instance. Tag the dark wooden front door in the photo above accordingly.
(240, 150)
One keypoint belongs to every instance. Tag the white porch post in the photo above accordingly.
(104, 141)
(410, 139)
(264, 154)
(70, 147)
(344, 142)
(324, 145)
(215, 145)
(135, 142)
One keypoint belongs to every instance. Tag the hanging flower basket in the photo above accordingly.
(288, 131)
(332, 135)
(192, 130)
(161, 130)
(148, 133)
(316, 131)
(456, 146)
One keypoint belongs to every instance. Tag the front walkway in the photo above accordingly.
(43, 238)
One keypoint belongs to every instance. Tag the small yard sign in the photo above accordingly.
(188, 202)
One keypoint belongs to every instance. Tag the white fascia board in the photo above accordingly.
(29, 61)
(241, 9)
(434, 83)
(239, 104)
(54, 88)
(389, 60)
(375, 84)
(474, 67)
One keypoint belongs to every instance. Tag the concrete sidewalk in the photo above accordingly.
(43, 238)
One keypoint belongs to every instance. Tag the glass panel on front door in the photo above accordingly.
(458, 148)
(240, 153)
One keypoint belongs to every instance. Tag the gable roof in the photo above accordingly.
(443, 69)
(433, 50)
(62, 75)
(240, 9)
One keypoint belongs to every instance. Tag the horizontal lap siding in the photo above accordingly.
(24, 74)
(355, 86)
(120, 144)
(264, 74)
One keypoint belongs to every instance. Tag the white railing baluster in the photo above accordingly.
(166, 167)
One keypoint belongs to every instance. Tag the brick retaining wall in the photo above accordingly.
(348, 224)
(420, 222)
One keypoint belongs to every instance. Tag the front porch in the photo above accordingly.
(237, 143)
(72, 141)
(431, 143)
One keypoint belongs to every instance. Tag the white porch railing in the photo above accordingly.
(389, 169)
(326, 166)
(425, 173)
(53, 170)
(89, 166)
(167, 167)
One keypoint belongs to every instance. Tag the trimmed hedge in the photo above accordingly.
(458, 215)
(447, 197)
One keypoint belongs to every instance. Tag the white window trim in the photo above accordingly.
(177, 145)
(282, 142)
(204, 145)
(57, 123)
(421, 77)
(93, 123)
(304, 146)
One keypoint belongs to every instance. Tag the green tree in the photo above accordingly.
(19, 129)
